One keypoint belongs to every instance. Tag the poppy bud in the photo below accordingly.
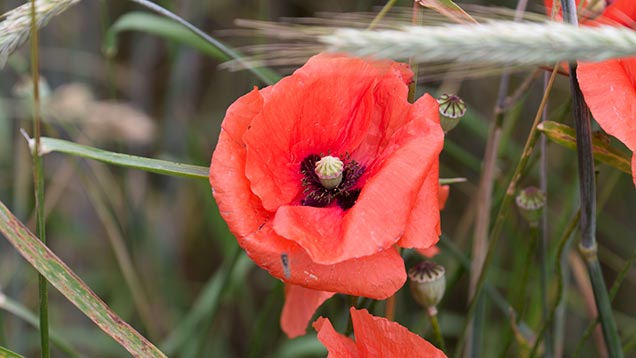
(452, 109)
(329, 171)
(530, 202)
(427, 281)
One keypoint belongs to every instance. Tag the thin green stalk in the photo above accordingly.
(38, 185)
(544, 262)
(500, 302)
(437, 331)
(385, 9)
(124, 261)
(522, 299)
(565, 238)
(495, 233)
(587, 188)
(484, 207)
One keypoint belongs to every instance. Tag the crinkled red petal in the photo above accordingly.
(300, 305)
(338, 345)
(379, 337)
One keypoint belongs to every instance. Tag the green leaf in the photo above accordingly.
(160, 26)
(72, 287)
(5, 353)
(602, 150)
(171, 30)
(125, 160)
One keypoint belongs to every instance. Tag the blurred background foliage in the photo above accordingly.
(156, 97)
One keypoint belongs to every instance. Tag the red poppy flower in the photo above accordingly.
(331, 238)
(374, 337)
(263, 176)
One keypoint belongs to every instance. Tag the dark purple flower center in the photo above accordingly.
(345, 194)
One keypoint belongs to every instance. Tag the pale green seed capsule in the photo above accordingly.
(329, 171)
(530, 202)
(427, 281)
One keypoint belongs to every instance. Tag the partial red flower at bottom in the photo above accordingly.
(374, 337)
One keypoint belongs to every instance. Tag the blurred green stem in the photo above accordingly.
(483, 216)
(437, 331)
(544, 260)
(38, 184)
(587, 185)
(509, 195)
(124, 261)
(615, 286)
(17, 309)
(385, 9)
(205, 306)
(567, 234)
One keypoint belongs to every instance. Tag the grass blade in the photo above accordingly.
(72, 287)
(147, 164)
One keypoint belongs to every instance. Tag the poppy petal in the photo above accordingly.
(300, 305)
(359, 277)
(338, 345)
(379, 337)
(240, 209)
(306, 114)
(610, 91)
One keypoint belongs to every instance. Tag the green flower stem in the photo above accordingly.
(587, 186)
(495, 234)
(38, 185)
(521, 299)
(437, 331)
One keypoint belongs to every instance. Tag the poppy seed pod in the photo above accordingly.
(427, 281)
(530, 202)
(452, 108)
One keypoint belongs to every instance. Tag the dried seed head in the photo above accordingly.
(427, 281)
